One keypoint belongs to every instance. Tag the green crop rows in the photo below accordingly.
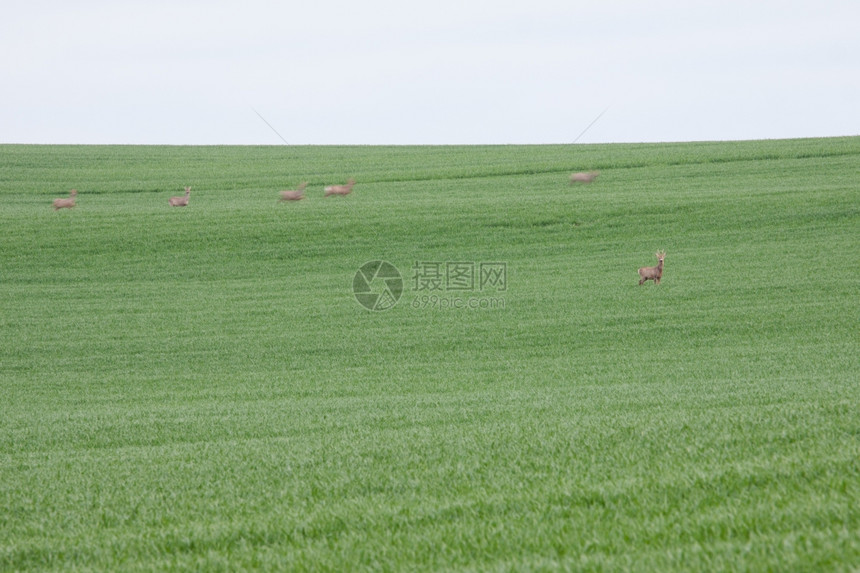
(198, 388)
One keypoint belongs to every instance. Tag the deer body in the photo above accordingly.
(340, 189)
(653, 273)
(180, 201)
(585, 177)
(66, 203)
(294, 195)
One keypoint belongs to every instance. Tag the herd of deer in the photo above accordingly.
(645, 273)
(299, 192)
(289, 195)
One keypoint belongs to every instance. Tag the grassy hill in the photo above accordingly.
(198, 388)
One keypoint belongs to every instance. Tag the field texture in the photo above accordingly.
(198, 388)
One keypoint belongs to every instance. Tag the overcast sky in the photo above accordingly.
(446, 71)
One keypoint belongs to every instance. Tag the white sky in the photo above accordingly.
(445, 71)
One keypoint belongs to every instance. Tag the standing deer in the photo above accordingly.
(180, 201)
(653, 273)
(340, 189)
(66, 203)
(584, 177)
(296, 194)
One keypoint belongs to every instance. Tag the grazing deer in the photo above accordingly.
(296, 194)
(66, 203)
(180, 201)
(584, 177)
(340, 189)
(653, 273)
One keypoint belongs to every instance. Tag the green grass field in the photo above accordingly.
(199, 389)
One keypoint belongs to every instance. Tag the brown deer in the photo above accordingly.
(653, 273)
(180, 201)
(295, 194)
(66, 203)
(584, 177)
(340, 189)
